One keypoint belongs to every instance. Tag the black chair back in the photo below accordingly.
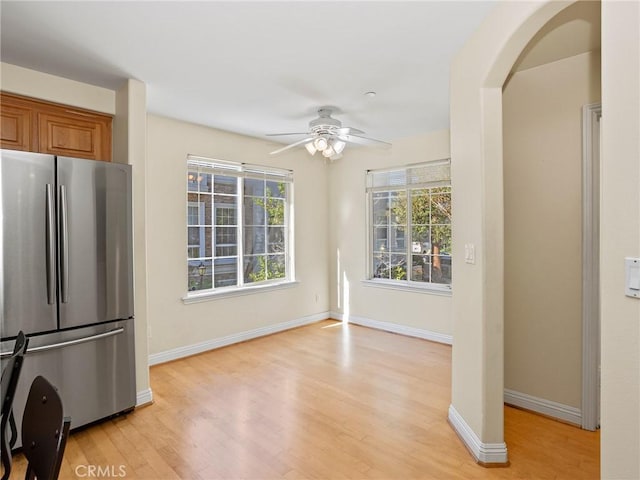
(9, 383)
(44, 431)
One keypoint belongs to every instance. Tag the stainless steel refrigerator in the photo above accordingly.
(66, 279)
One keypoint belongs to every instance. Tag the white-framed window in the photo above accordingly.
(409, 225)
(239, 225)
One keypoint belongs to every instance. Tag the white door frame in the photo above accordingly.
(591, 115)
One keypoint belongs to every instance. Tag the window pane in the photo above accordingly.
(420, 268)
(192, 181)
(192, 197)
(420, 239)
(223, 184)
(255, 268)
(193, 236)
(381, 265)
(398, 207)
(440, 207)
(380, 243)
(276, 239)
(204, 181)
(199, 275)
(275, 267)
(276, 189)
(193, 214)
(254, 187)
(226, 241)
(199, 241)
(225, 201)
(254, 241)
(441, 239)
(380, 209)
(420, 207)
(275, 211)
(225, 216)
(253, 211)
(225, 272)
(441, 268)
(441, 254)
(397, 239)
(398, 267)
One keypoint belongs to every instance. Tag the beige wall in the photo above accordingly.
(130, 146)
(542, 135)
(620, 237)
(40, 85)
(173, 324)
(347, 227)
(478, 74)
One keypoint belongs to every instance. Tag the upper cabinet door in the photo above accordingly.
(95, 238)
(27, 230)
(38, 126)
(74, 136)
(16, 131)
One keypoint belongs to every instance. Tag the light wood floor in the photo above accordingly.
(325, 401)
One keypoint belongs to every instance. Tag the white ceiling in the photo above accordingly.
(256, 67)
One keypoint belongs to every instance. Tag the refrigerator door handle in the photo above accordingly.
(51, 246)
(64, 247)
(44, 348)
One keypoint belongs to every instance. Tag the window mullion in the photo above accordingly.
(266, 230)
(240, 232)
(409, 235)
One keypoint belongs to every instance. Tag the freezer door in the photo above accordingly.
(95, 241)
(92, 368)
(28, 242)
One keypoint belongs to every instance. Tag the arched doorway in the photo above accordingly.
(476, 149)
(478, 75)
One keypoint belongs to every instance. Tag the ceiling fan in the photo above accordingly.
(327, 135)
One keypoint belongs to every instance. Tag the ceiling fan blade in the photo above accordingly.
(349, 131)
(360, 140)
(282, 134)
(295, 144)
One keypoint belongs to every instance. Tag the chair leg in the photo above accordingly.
(62, 443)
(6, 456)
(30, 475)
(14, 430)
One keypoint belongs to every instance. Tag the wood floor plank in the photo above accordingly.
(325, 401)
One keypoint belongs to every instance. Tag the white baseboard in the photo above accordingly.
(488, 453)
(180, 352)
(144, 397)
(395, 328)
(545, 407)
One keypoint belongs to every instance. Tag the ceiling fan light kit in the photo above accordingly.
(327, 135)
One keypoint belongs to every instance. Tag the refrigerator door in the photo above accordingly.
(91, 367)
(95, 241)
(28, 243)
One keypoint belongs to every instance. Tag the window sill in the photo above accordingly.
(444, 290)
(236, 292)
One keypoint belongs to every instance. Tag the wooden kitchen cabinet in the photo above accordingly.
(44, 127)
(15, 130)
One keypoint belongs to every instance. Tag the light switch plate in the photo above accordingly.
(470, 253)
(632, 277)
